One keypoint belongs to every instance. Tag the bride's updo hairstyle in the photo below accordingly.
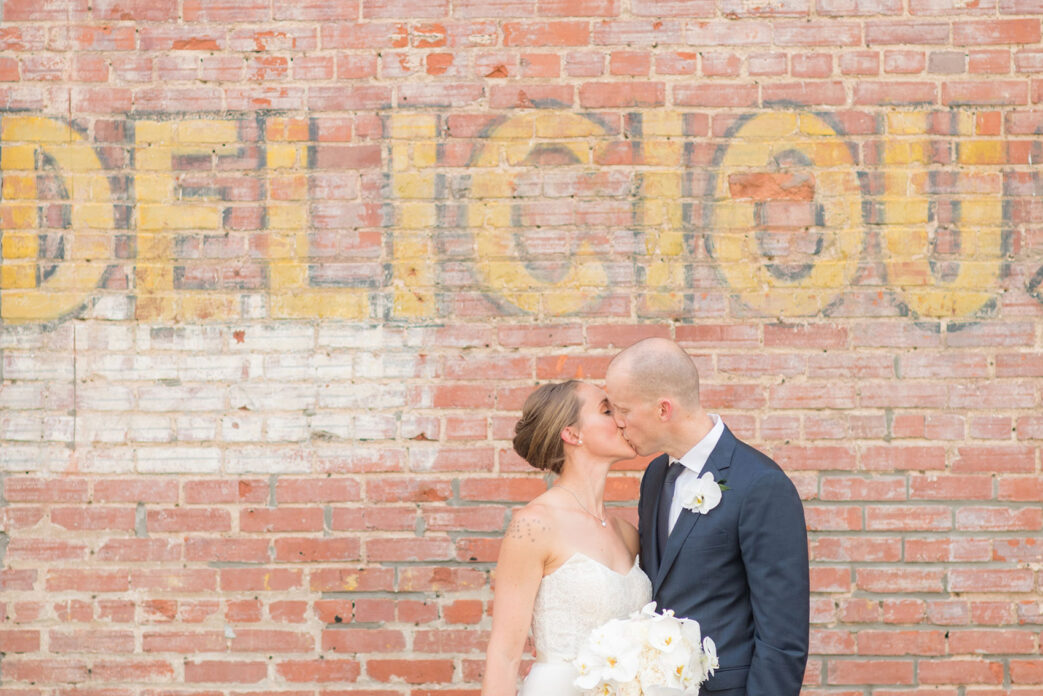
(548, 410)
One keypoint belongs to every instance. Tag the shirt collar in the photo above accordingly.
(696, 457)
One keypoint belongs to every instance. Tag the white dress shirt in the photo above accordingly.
(693, 462)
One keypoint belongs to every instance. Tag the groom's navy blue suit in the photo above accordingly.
(740, 570)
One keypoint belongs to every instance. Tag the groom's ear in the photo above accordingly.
(664, 410)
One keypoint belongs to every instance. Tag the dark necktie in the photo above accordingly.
(665, 501)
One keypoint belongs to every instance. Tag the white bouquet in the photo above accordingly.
(647, 654)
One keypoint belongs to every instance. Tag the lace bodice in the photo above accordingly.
(579, 596)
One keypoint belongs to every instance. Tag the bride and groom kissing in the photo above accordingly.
(721, 536)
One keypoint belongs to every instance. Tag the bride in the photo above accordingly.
(565, 565)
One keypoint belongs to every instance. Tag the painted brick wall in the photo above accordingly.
(276, 278)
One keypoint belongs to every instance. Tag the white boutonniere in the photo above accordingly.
(702, 494)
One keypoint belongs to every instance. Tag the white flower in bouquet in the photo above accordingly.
(709, 656)
(665, 635)
(648, 654)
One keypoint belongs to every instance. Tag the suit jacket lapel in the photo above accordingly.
(648, 543)
(720, 459)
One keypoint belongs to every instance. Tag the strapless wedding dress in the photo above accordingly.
(579, 596)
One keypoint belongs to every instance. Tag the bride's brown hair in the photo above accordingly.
(548, 410)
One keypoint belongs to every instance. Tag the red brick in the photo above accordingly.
(188, 520)
(578, 8)
(317, 490)
(364, 35)
(1026, 671)
(832, 642)
(225, 672)
(1006, 92)
(497, 8)
(464, 611)
(450, 641)
(996, 31)
(676, 63)
(1006, 641)
(19, 641)
(247, 640)
(540, 65)
(989, 62)
(256, 579)
(501, 489)
(395, 9)
(950, 487)
(321, 671)
(921, 643)
(857, 488)
(306, 550)
(140, 550)
(895, 93)
(147, 490)
(19, 489)
(832, 34)
(208, 492)
(357, 580)
(1028, 550)
(440, 579)
(857, 549)
(54, 671)
(91, 641)
(809, 93)
(870, 672)
(132, 671)
(188, 580)
(281, 520)
(637, 33)
(316, 10)
(955, 671)
(812, 65)
(411, 671)
(995, 459)
(87, 580)
(475, 519)
(599, 95)
(1020, 488)
(716, 95)
(899, 580)
(999, 519)
(975, 580)
(363, 640)
(914, 33)
(405, 549)
(947, 550)
(559, 34)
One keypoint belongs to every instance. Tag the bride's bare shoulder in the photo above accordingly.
(540, 517)
(531, 522)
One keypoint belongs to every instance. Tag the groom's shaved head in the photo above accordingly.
(658, 367)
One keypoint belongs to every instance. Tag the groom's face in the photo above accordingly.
(635, 416)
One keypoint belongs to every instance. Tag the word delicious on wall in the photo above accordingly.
(546, 211)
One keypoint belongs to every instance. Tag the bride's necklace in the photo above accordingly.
(602, 520)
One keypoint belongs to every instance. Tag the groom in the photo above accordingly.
(740, 566)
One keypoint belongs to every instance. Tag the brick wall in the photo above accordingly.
(276, 278)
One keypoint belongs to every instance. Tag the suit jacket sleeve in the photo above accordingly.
(774, 543)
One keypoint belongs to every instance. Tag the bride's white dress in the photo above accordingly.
(579, 596)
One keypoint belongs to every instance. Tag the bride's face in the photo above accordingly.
(597, 426)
